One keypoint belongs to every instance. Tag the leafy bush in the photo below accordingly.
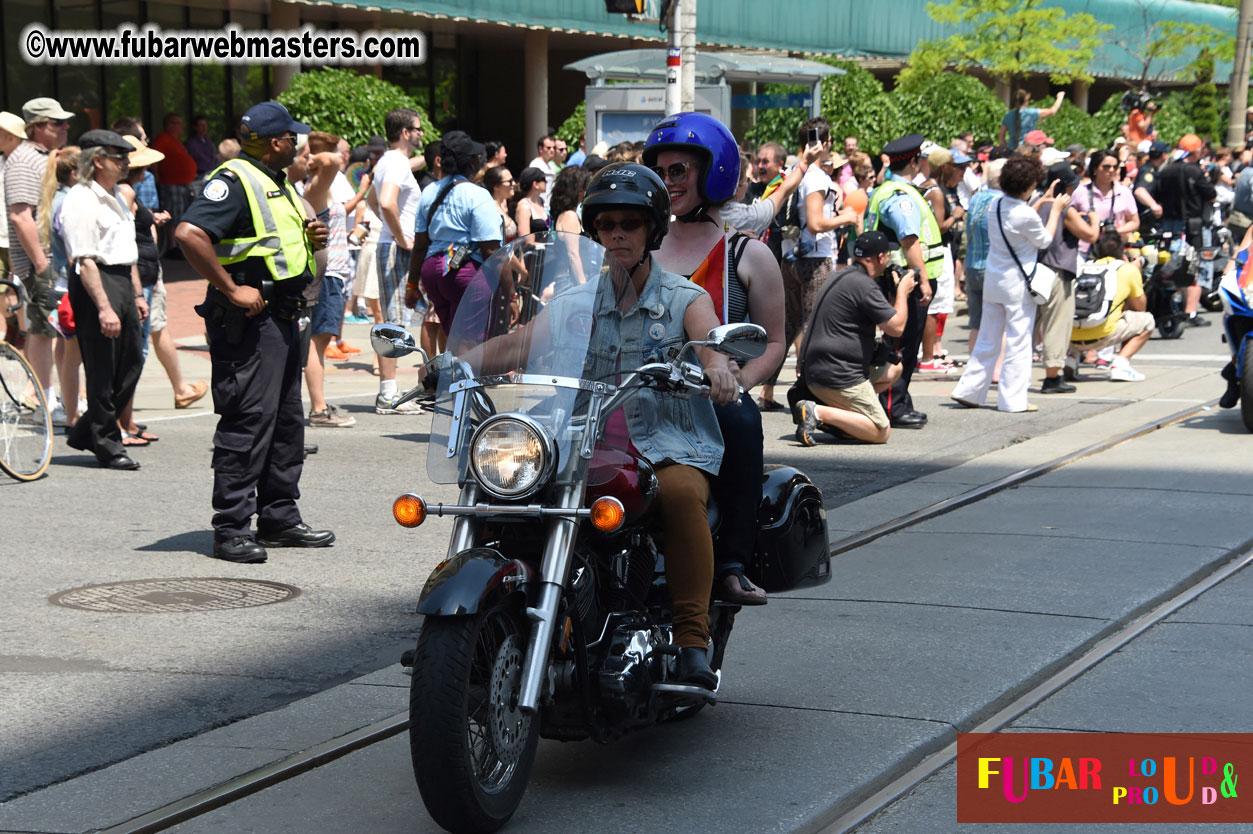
(348, 104)
(856, 105)
(1204, 110)
(779, 124)
(1070, 125)
(573, 127)
(943, 106)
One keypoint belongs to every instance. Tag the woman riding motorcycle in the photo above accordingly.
(699, 159)
(627, 210)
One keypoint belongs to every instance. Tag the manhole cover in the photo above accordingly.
(160, 596)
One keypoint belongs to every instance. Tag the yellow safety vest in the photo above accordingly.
(929, 238)
(278, 220)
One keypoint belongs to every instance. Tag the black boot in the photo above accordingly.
(694, 669)
(1232, 395)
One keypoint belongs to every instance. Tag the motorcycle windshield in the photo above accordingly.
(525, 339)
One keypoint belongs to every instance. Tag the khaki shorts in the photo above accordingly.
(860, 398)
(156, 308)
(1130, 325)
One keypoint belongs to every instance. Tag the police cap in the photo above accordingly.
(907, 147)
(269, 118)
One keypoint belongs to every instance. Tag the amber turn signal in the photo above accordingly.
(607, 514)
(409, 510)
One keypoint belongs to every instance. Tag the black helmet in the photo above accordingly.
(628, 185)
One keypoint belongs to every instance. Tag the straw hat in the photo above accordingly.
(143, 155)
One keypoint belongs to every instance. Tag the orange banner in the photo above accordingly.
(1103, 777)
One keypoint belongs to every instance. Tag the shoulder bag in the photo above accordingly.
(1041, 279)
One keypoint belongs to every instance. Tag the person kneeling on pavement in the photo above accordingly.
(1127, 325)
(838, 360)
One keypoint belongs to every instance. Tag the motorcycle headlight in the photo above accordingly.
(512, 456)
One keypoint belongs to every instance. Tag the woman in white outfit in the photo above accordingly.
(1008, 311)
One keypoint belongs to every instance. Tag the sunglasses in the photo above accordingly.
(117, 156)
(604, 225)
(675, 171)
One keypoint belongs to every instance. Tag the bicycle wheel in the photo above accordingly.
(25, 423)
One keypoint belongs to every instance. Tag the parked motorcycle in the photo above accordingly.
(1166, 275)
(550, 615)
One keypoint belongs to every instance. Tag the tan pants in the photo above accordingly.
(684, 503)
(1056, 320)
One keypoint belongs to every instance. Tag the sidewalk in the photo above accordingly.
(827, 691)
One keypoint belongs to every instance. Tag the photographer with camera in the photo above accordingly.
(1104, 201)
(839, 362)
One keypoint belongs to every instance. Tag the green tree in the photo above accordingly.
(1008, 39)
(574, 125)
(1168, 41)
(1206, 119)
(349, 104)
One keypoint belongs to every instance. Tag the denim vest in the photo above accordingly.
(662, 427)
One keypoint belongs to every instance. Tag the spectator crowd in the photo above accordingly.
(876, 250)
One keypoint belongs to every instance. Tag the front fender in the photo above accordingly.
(471, 581)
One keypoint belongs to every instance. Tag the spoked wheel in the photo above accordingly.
(25, 422)
(472, 748)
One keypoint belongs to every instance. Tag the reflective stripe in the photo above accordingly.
(280, 233)
(249, 177)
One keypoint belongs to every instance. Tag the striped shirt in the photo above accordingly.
(337, 259)
(23, 174)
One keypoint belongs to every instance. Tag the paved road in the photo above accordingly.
(87, 690)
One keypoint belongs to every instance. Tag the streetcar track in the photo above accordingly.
(841, 817)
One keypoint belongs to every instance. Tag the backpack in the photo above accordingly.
(1095, 288)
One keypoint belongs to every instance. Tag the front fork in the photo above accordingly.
(554, 570)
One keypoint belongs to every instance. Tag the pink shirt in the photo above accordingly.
(1122, 206)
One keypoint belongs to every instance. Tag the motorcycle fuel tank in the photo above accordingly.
(619, 474)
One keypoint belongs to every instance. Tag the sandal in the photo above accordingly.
(735, 587)
(129, 439)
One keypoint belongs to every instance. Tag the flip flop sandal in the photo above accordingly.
(745, 594)
(130, 440)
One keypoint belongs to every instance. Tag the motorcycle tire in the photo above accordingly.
(1212, 302)
(1246, 399)
(472, 753)
(1170, 327)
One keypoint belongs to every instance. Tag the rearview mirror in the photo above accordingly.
(739, 341)
(392, 341)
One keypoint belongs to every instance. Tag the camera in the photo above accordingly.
(884, 355)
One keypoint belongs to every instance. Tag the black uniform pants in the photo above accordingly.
(111, 367)
(896, 400)
(737, 489)
(258, 450)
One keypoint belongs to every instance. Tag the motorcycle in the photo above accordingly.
(550, 616)
(1220, 254)
(1236, 291)
(1166, 275)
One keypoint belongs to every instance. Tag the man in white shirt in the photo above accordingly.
(398, 194)
(546, 151)
(821, 210)
(105, 293)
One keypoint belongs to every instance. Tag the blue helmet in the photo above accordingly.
(710, 140)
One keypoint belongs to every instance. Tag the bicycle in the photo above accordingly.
(25, 421)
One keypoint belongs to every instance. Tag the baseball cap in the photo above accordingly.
(960, 157)
(1049, 156)
(1158, 148)
(44, 108)
(1061, 172)
(13, 124)
(377, 144)
(872, 243)
(1037, 137)
(1144, 146)
(1190, 142)
(269, 118)
(104, 139)
(459, 149)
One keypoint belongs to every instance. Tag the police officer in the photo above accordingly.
(250, 236)
(1187, 195)
(903, 214)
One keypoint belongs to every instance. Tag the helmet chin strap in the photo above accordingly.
(700, 214)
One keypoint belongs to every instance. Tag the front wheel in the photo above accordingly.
(472, 748)
(1246, 397)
